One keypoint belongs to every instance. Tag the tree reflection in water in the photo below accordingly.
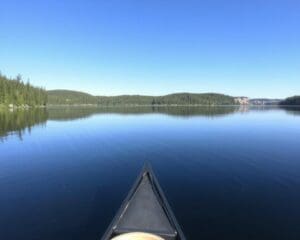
(17, 122)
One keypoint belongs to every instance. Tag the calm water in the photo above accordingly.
(228, 173)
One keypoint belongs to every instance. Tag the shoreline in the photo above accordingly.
(21, 107)
(27, 107)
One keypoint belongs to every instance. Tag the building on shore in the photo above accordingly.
(241, 100)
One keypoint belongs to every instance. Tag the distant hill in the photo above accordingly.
(67, 97)
(295, 100)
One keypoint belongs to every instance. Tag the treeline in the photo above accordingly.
(65, 97)
(13, 91)
(291, 101)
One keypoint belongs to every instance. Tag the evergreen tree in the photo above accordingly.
(15, 91)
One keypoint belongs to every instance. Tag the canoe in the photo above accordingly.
(145, 213)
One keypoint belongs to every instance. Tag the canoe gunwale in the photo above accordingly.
(147, 170)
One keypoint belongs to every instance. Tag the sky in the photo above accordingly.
(154, 47)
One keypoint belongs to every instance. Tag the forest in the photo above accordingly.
(65, 97)
(14, 92)
(295, 100)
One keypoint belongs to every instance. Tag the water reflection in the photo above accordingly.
(291, 110)
(17, 122)
(73, 113)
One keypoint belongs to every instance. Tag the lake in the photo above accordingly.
(228, 172)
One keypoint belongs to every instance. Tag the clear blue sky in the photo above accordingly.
(154, 47)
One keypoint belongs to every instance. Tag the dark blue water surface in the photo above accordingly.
(228, 173)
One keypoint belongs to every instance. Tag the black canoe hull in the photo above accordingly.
(145, 209)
